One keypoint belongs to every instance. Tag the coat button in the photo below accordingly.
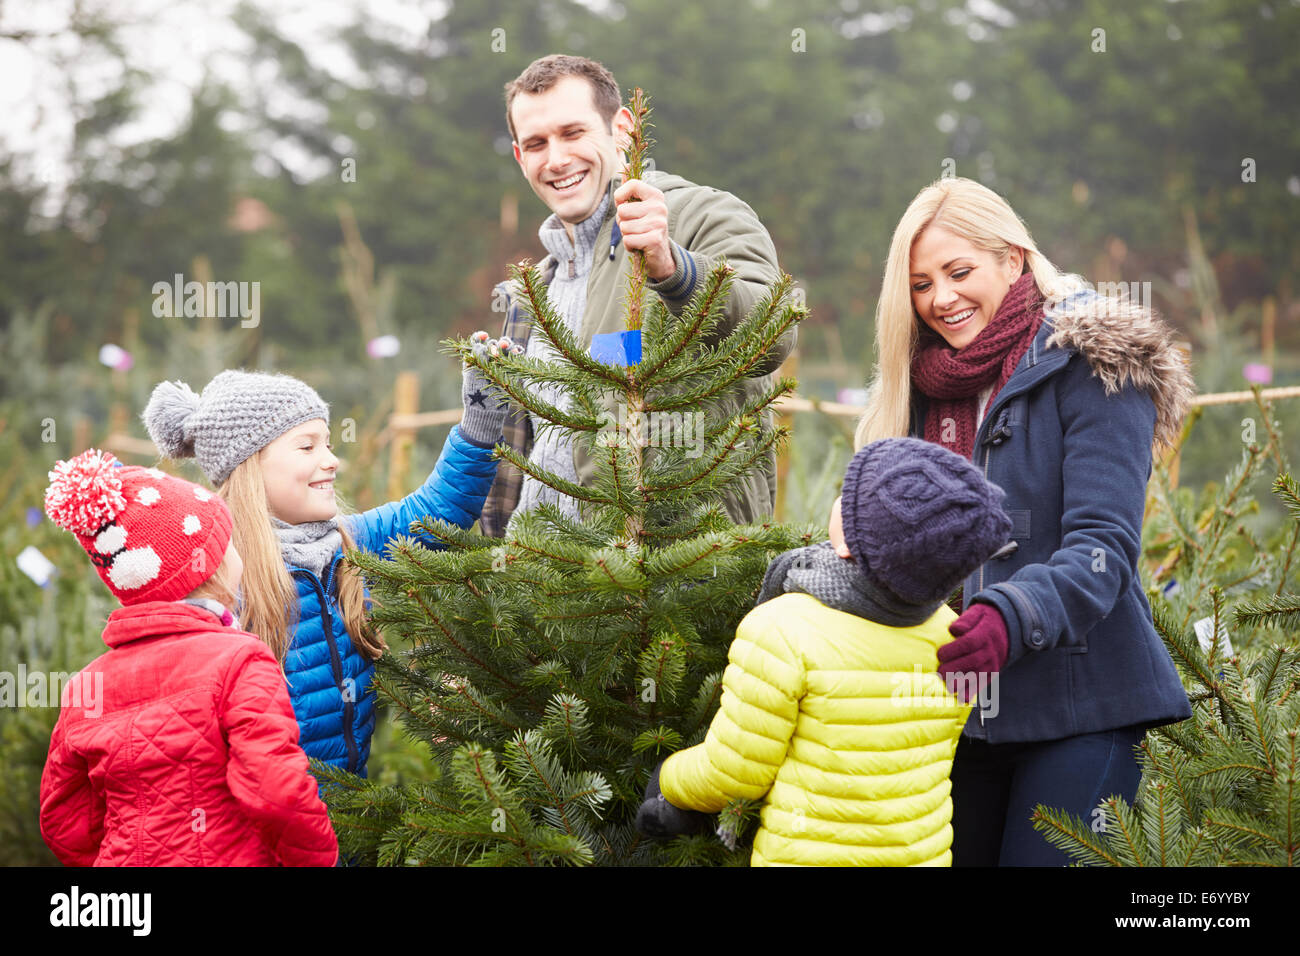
(1036, 638)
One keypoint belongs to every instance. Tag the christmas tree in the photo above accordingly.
(550, 671)
(1222, 788)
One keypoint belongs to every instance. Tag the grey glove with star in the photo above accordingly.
(485, 406)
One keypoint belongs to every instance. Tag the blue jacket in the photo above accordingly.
(1069, 439)
(329, 679)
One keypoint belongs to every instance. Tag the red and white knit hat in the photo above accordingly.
(152, 537)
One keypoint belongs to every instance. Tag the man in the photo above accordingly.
(570, 132)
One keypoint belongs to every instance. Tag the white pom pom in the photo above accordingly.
(85, 493)
(135, 568)
(170, 408)
(110, 539)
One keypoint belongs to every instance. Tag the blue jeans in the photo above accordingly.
(995, 788)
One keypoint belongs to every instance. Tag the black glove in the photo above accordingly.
(661, 820)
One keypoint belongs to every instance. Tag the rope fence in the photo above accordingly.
(406, 420)
(401, 422)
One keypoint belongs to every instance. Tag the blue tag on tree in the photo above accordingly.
(617, 348)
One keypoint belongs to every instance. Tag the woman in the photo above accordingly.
(1056, 395)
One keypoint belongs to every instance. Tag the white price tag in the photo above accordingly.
(1205, 635)
(35, 565)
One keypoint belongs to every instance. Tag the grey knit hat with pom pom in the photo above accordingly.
(238, 415)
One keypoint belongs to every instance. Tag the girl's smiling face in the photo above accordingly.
(957, 287)
(298, 471)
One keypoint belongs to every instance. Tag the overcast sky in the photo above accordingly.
(175, 41)
(172, 41)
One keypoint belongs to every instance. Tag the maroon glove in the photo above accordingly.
(980, 645)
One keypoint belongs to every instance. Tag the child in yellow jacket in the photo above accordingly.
(833, 713)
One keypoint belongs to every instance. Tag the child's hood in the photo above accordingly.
(159, 619)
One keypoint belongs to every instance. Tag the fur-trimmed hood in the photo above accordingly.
(1125, 342)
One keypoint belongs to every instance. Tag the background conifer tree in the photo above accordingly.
(1222, 788)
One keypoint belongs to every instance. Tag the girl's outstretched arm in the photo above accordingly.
(458, 485)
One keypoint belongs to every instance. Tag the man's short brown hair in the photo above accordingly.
(544, 73)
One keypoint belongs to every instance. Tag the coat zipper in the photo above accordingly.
(996, 405)
(1022, 601)
(978, 708)
(336, 662)
(349, 701)
(986, 478)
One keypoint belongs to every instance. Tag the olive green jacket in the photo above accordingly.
(706, 226)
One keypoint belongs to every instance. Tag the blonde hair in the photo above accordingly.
(270, 598)
(975, 213)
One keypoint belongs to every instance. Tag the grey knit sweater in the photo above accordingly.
(567, 294)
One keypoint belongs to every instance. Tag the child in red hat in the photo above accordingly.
(177, 747)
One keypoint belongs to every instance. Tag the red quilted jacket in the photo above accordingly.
(179, 747)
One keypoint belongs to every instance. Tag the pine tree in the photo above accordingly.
(550, 671)
(1222, 788)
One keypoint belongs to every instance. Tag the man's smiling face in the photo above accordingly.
(566, 151)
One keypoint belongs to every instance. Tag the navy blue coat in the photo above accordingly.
(1069, 439)
(329, 679)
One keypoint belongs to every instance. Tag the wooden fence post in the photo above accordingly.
(406, 401)
(786, 417)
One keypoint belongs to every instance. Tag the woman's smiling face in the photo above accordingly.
(956, 287)
(298, 471)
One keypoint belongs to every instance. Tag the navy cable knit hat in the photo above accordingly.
(919, 518)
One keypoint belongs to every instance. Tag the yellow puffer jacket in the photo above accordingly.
(846, 729)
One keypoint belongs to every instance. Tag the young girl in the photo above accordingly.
(263, 441)
(832, 713)
(178, 747)
(1056, 395)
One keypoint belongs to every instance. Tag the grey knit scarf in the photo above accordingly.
(840, 584)
(311, 545)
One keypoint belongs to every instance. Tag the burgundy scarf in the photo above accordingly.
(953, 380)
